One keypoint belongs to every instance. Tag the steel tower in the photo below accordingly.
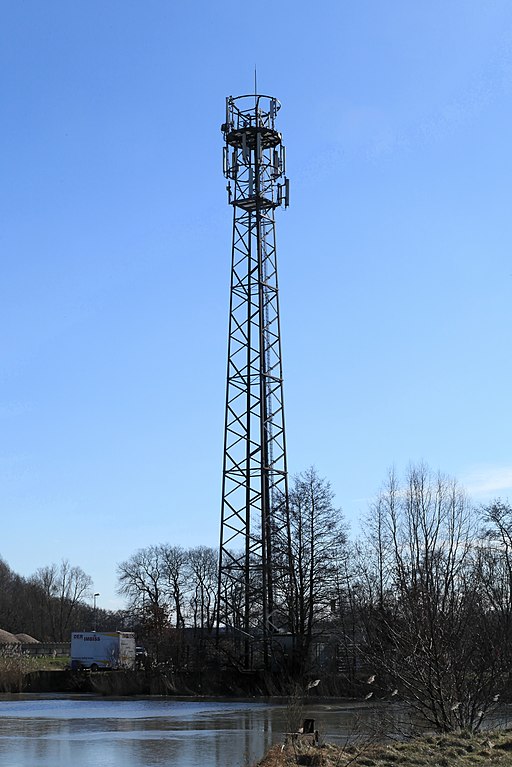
(255, 481)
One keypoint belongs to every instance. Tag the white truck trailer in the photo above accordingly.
(102, 650)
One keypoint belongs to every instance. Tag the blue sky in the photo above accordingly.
(394, 257)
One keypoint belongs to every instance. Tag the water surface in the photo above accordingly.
(80, 731)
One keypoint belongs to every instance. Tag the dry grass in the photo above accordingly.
(15, 665)
(461, 750)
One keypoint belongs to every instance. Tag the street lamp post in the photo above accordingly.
(94, 609)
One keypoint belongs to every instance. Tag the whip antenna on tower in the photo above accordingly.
(254, 479)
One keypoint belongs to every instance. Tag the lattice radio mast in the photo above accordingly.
(255, 481)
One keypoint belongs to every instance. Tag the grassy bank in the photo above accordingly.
(454, 750)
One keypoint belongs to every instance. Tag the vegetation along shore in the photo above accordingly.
(451, 750)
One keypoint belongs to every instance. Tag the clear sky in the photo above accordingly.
(115, 235)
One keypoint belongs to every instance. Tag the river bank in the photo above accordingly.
(157, 682)
(210, 682)
(142, 682)
(453, 750)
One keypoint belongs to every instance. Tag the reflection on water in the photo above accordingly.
(60, 731)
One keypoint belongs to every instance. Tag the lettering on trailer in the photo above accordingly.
(86, 639)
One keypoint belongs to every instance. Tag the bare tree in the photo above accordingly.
(203, 562)
(496, 574)
(425, 625)
(142, 579)
(63, 588)
(311, 538)
(175, 562)
(497, 518)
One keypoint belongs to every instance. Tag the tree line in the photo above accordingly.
(51, 603)
(420, 604)
(418, 607)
